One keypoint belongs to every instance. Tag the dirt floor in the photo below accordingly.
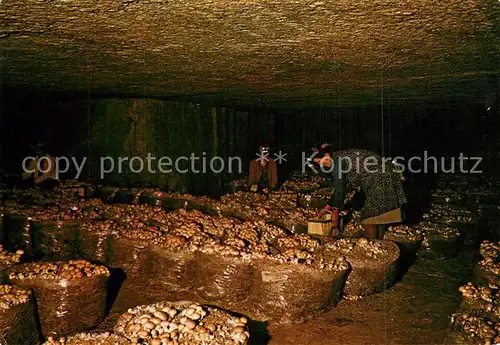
(416, 311)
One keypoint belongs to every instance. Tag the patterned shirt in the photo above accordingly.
(369, 173)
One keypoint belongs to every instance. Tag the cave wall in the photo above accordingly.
(96, 128)
(129, 128)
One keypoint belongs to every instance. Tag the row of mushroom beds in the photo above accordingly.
(39, 284)
(248, 266)
(478, 319)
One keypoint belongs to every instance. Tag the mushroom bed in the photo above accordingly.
(488, 269)
(373, 264)
(441, 239)
(478, 318)
(182, 323)
(18, 324)
(247, 266)
(408, 238)
(70, 296)
(7, 260)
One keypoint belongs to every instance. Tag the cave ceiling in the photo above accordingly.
(270, 52)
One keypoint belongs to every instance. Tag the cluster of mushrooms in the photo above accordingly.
(486, 296)
(450, 194)
(477, 327)
(354, 226)
(440, 223)
(299, 181)
(457, 188)
(106, 338)
(239, 183)
(125, 212)
(78, 209)
(241, 198)
(449, 213)
(361, 247)
(161, 194)
(404, 232)
(256, 206)
(322, 193)
(436, 231)
(480, 313)
(182, 323)
(11, 296)
(196, 231)
(441, 220)
(490, 252)
(74, 269)
(35, 195)
(8, 259)
(179, 323)
(301, 249)
(247, 240)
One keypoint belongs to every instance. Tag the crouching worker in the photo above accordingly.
(364, 171)
(263, 174)
(41, 170)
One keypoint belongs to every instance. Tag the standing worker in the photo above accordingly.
(367, 172)
(42, 169)
(263, 174)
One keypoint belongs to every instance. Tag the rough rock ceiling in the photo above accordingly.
(287, 52)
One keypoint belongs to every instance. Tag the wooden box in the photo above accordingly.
(321, 227)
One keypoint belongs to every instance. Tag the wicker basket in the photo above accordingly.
(322, 226)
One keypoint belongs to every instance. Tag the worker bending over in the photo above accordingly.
(365, 171)
(42, 170)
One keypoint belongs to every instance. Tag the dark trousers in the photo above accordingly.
(264, 181)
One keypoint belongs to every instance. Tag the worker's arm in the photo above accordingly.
(49, 174)
(339, 184)
(253, 174)
(42, 177)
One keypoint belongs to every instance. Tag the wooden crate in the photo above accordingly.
(321, 227)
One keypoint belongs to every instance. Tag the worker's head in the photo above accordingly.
(327, 150)
(264, 149)
(264, 154)
(324, 155)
